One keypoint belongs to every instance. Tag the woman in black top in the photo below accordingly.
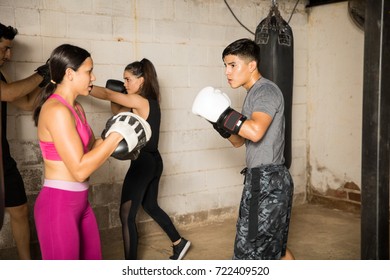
(140, 94)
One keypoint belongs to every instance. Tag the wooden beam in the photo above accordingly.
(376, 134)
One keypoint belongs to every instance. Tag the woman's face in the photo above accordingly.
(84, 77)
(133, 84)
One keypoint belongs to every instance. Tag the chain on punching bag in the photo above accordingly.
(275, 38)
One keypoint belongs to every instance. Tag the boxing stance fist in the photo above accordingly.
(116, 85)
(214, 106)
(136, 133)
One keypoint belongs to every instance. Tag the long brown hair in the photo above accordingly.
(63, 57)
(145, 68)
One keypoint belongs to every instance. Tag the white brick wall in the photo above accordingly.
(334, 99)
(184, 39)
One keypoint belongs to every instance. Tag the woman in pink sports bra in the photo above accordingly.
(66, 225)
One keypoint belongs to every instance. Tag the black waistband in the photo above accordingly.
(265, 168)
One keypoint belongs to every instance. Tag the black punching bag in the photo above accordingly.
(275, 38)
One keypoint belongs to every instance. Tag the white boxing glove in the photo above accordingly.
(214, 106)
(210, 103)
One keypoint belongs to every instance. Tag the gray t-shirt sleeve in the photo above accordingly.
(266, 100)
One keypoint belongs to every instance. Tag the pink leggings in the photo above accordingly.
(66, 225)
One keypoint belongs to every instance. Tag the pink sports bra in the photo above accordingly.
(49, 150)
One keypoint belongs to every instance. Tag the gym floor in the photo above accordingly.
(316, 233)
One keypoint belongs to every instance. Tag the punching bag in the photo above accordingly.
(275, 38)
(357, 12)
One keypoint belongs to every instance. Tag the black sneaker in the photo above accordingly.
(180, 249)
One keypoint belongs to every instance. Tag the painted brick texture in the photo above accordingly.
(184, 39)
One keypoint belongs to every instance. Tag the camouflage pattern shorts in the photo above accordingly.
(264, 215)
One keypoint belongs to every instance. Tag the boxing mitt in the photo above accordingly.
(214, 106)
(116, 85)
(133, 155)
(44, 72)
(121, 152)
(136, 133)
(144, 133)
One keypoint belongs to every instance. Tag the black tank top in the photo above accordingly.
(8, 161)
(154, 120)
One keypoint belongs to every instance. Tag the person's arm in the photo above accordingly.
(103, 93)
(255, 128)
(252, 129)
(99, 92)
(96, 142)
(236, 140)
(116, 108)
(15, 90)
(28, 102)
(122, 101)
(60, 124)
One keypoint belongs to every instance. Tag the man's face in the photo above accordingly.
(5, 50)
(237, 71)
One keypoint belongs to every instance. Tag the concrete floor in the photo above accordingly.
(316, 233)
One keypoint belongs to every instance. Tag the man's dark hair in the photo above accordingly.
(7, 32)
(245, 48)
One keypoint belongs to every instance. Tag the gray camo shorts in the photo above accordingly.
(264, 214)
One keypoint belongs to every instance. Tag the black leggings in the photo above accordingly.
(141, 187)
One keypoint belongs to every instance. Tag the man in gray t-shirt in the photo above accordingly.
(264, 96)
(265, 208)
